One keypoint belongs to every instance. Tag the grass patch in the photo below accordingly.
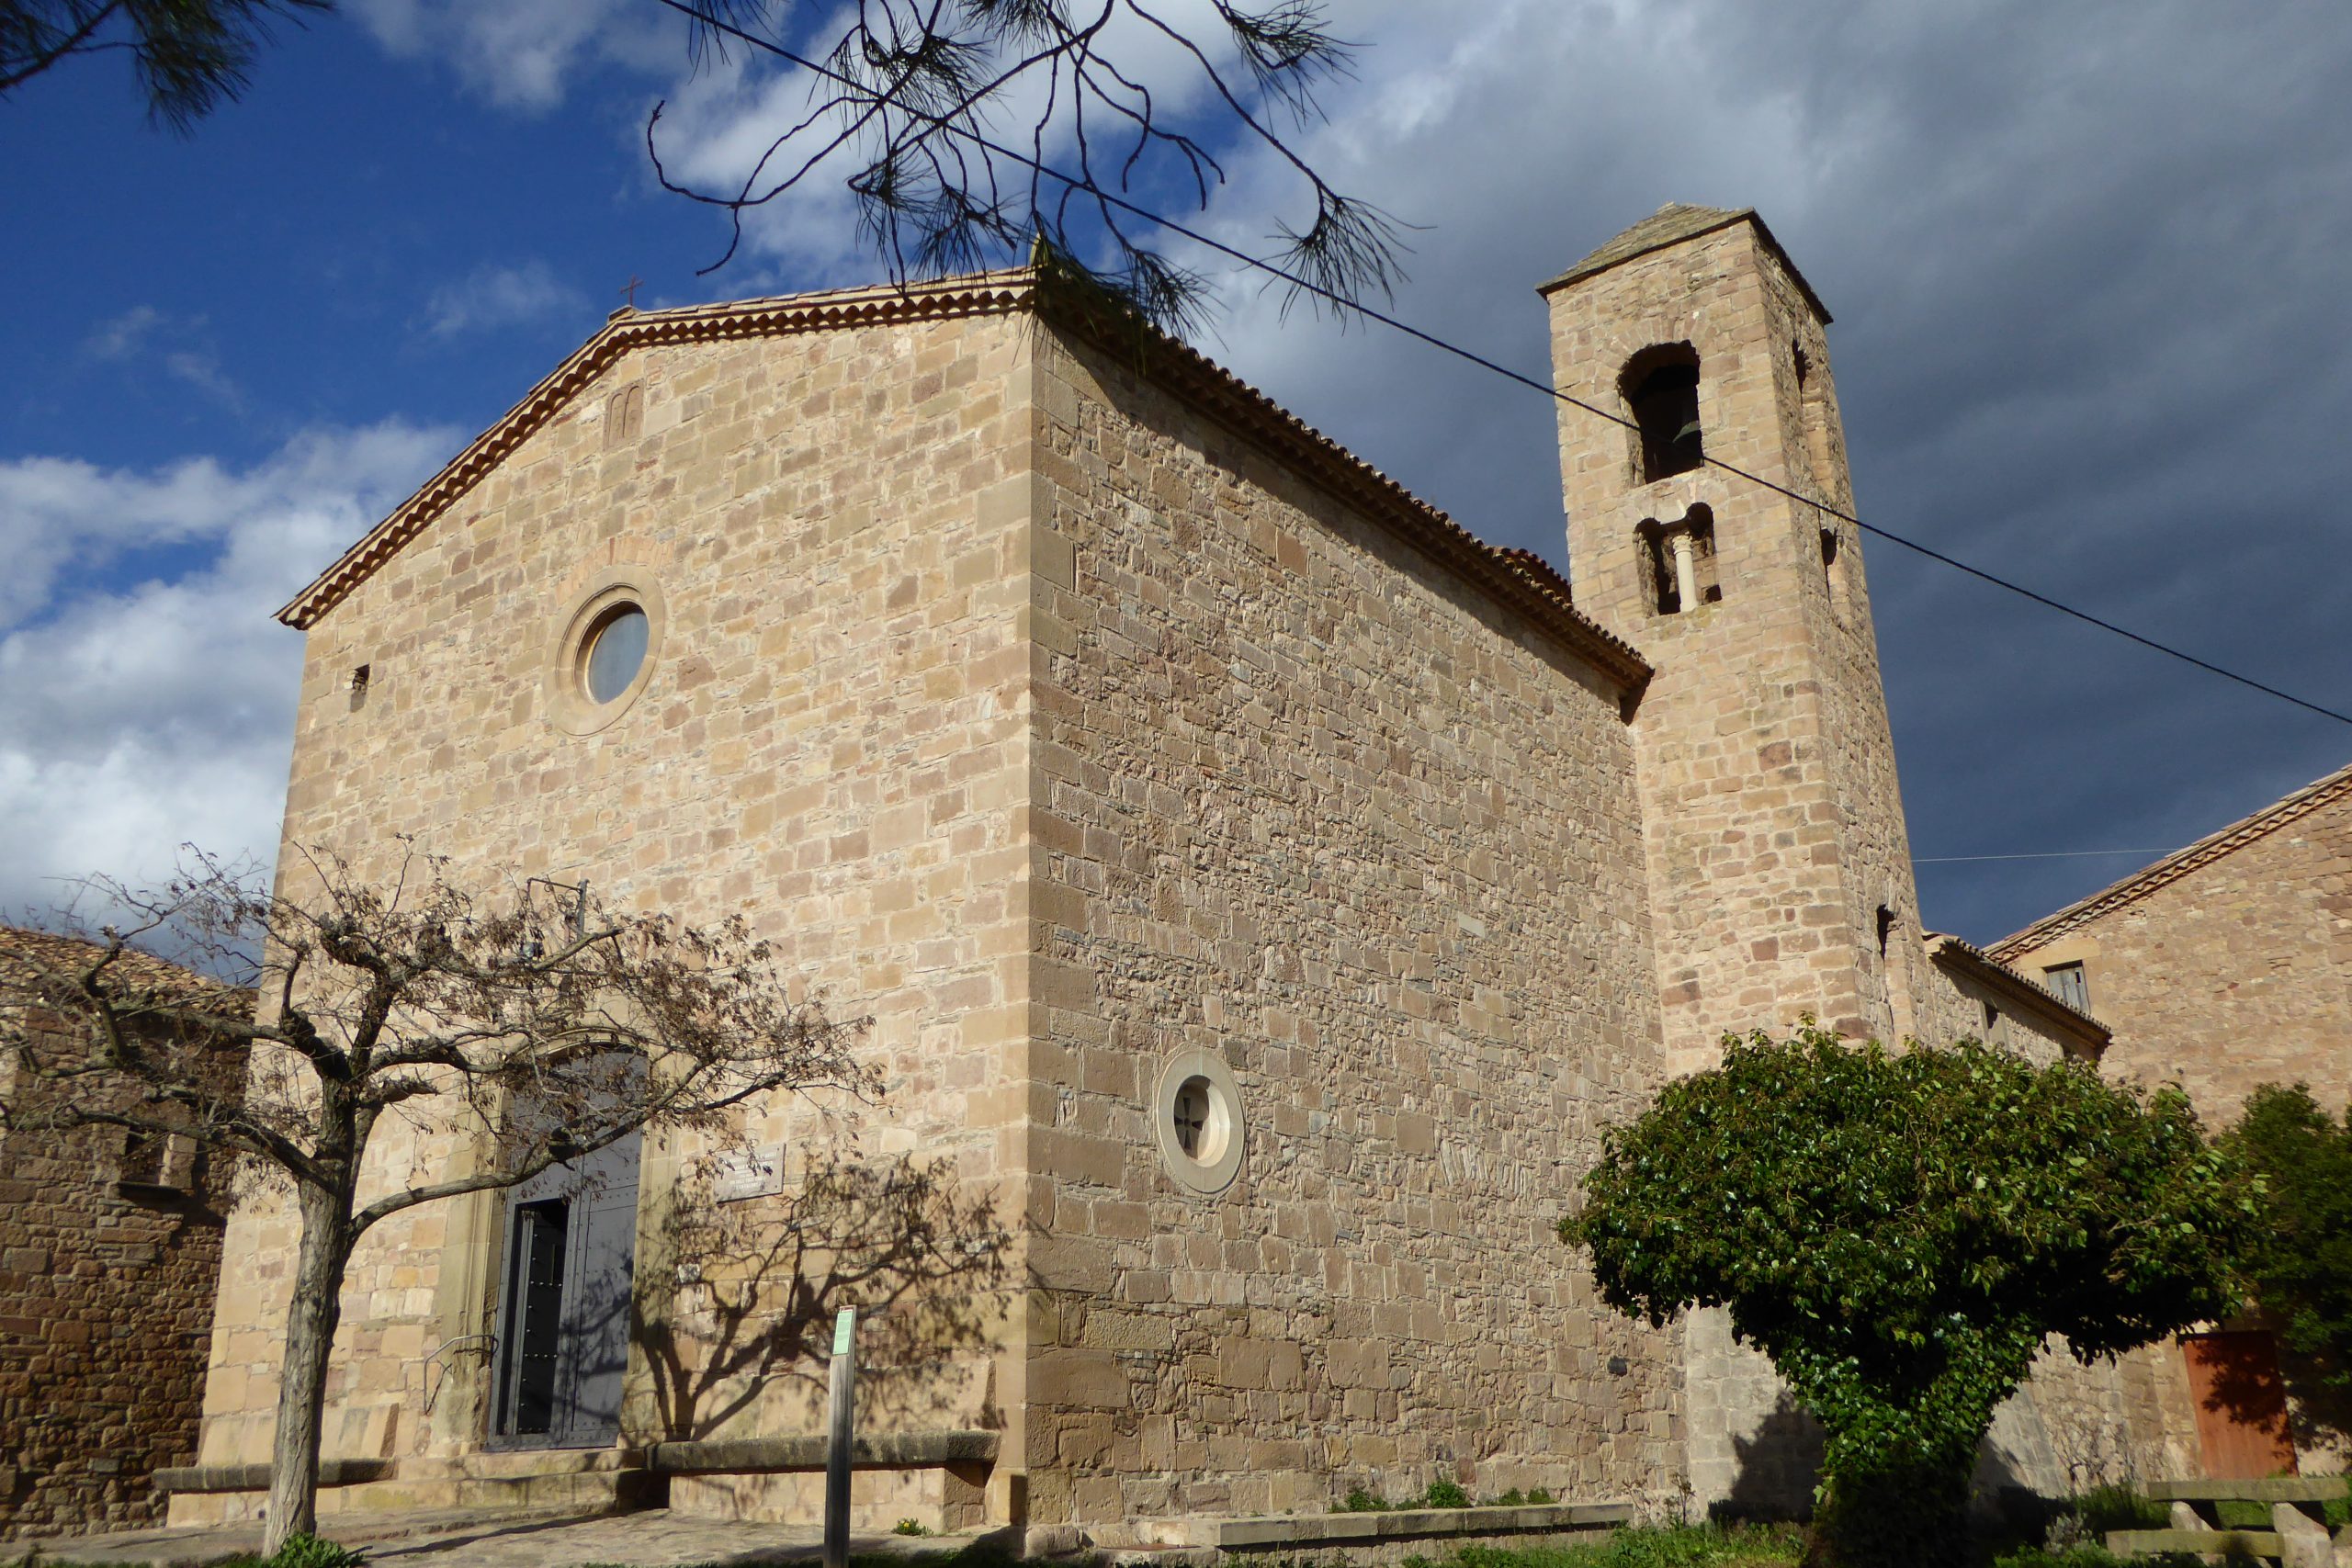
(2105, 1508)
(1660, 1546)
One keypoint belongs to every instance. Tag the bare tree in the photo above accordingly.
(542, 1025)
(189, 54)
(909, 97)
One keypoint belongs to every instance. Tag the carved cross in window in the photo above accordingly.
(1192, 1114)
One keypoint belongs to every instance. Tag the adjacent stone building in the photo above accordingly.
(2225, 965)
(1265, 893)
(2223, 968)
(110, 1263)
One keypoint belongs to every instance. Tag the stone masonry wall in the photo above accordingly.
(106, 1305)
(1307, 803)
(831, 743)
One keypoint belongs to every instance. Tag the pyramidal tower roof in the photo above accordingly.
(1671, 224)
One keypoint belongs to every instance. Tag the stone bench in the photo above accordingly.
(775, 1456)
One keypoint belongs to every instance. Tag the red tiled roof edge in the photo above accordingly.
(1515, 577)
(2179, 863)
(2024, 994)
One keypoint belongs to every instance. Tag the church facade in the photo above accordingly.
(1264, 893)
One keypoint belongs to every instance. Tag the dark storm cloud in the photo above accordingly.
(2087, 266)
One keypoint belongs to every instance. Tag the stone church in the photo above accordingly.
(1265, 893)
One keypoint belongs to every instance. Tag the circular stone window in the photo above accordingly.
(604, 654)
(1196, 1121)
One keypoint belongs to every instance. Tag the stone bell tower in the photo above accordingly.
(1780, 870)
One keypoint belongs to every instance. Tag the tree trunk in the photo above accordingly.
(1901, 1510)
(310, 1320)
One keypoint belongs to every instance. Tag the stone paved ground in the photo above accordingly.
(653, 1538)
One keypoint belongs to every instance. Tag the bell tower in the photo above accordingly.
(1780, 868)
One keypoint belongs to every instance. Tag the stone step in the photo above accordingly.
(2271, 1489)
(2256, 1543)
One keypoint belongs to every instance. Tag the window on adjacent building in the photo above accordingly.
(2066, 980)
(158, 1160)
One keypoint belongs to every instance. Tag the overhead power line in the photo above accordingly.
(2047, 854)
(1340, 301)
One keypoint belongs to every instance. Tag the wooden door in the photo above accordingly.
(601, 1255)
(564, 1331)
(2241, 1404)
(566, 1281)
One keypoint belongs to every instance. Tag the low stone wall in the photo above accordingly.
(1370, 1537)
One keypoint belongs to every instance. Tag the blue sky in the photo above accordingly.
(2088, 264)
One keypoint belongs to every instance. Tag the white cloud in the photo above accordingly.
(522, 54)
(138, 714)
(183, 344)
(499, 297)
(122, 337)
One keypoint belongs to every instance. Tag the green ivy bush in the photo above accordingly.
(1901, 1232)
(2299, 1260)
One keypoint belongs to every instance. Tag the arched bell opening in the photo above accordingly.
(1660, 386)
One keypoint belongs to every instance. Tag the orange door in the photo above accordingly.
(2241, 1404)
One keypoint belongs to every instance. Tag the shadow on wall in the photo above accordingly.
(757, 1283)
(1780, 1464)
(2319, 1414)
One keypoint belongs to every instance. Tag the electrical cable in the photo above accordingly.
(1340, 301)
(2045, 854)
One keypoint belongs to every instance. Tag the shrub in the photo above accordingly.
(2299, 1260)
(1359, 1501)
(1445, 1495)
(1901, 1233)
(309, 1552)
(910, 1527)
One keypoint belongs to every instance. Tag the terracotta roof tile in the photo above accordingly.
(55, 951)
(2024, 995)
(1670, 225)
